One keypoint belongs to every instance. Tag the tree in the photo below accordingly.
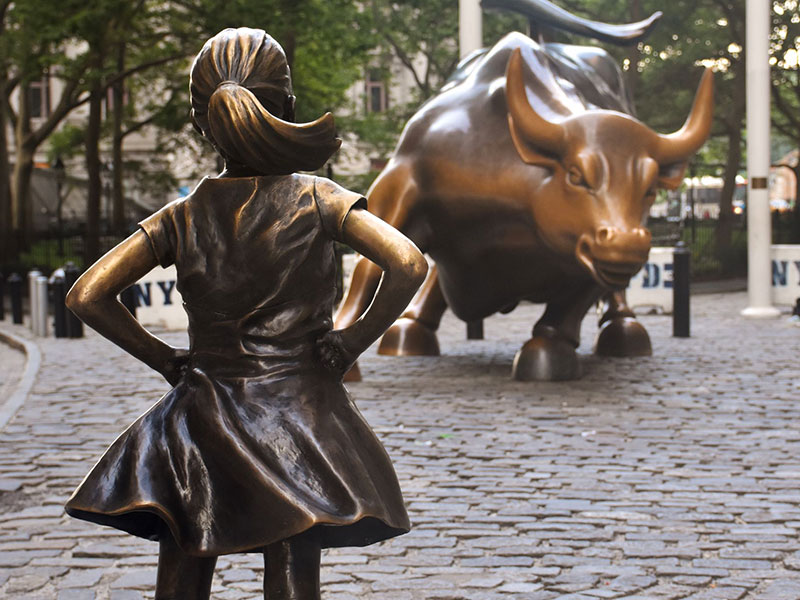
(124, 39)
(422, 36)
(33, 44)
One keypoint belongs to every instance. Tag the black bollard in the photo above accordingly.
(128, 299)
(15, 294)
(2, 298)
(74, 324)
(475, 330)
(59, 291)
(680, 290)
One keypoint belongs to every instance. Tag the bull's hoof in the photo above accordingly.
(546, 359)
(622, 336)
(354, 374)
(408, 337)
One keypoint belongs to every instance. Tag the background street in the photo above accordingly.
(676, 476)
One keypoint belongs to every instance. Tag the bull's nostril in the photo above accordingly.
(604, 235)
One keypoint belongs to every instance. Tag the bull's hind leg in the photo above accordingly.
(414, 333)
(620, 333)
(550, 354)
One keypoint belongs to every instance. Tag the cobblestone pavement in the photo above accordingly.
(676, 476)
(13, 364)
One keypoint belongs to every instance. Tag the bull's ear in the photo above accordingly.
(670, 177)
(527, 152)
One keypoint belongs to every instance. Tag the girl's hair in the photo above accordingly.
(241, 93)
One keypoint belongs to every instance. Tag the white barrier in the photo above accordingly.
(785, 274)
(158, 303)
(652, 286)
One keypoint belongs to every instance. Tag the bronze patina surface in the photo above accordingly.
(528, 178)
(257, 447)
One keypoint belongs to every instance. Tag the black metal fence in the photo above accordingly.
(49, 251)
(711, 257)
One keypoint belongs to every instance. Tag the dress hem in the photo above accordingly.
(150, 524)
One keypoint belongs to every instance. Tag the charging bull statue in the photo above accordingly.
(528, 178)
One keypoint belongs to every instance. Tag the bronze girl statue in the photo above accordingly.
(257, 447)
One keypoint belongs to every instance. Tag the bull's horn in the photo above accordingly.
(537, 131)
(678, 146)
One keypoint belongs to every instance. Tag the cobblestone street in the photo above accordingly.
(676, 476)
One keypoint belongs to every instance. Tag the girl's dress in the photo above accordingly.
(258, 442)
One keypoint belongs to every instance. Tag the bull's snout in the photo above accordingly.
(614, 255)
(620, 244)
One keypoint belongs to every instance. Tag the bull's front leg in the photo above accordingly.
(550, 355)
(414, 333)
(620, 333)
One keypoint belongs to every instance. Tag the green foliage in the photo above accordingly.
(358, 183)
(418, 28)
(422, 36)
(707, 262)
(66, 143)
(379, 130)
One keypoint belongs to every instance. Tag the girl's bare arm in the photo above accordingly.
(404, 268)
(94, 299)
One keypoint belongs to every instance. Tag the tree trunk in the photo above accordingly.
(8, 251)
(289, 42)
(93, 171)
(21, 209)
(118, 193)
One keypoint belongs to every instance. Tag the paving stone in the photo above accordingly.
(125, 595)
(781, 589)
(76, 594)
(82, 578)
(719, 593)
(138, 580)
(669, 477)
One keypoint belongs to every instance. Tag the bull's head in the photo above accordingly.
(604, 169)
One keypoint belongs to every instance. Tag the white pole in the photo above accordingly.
(759, 225)
(470, 26)
(41, 306)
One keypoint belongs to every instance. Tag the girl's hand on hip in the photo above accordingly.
(175, 366)
(335, 353)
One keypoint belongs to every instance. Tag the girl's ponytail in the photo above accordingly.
(240, 87)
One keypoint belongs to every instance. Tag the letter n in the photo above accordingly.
(779, 268)
(141, 297)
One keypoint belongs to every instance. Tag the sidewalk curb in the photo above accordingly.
(32, 364)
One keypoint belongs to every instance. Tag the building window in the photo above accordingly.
(377, 100)
(109, 100)
(39, 98)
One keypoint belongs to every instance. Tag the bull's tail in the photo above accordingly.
(542, 11)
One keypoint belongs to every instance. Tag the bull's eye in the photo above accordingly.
(576, 178)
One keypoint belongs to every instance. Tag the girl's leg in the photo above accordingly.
(180, 576)
(291, 569)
